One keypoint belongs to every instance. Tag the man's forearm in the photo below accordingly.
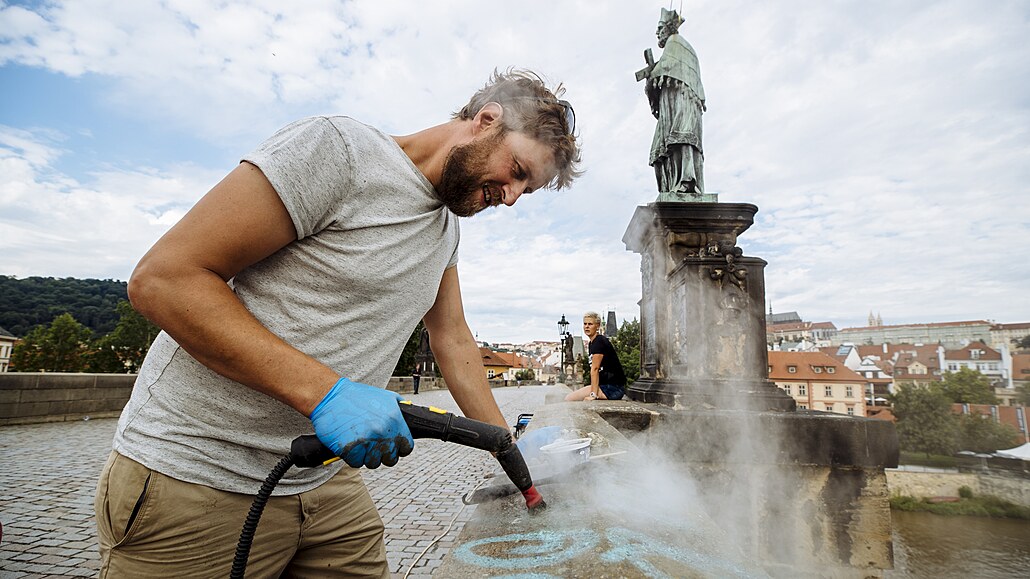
(461, 364)
(205, 317)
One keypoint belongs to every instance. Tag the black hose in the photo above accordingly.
(239, 562)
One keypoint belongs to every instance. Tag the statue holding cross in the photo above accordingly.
(677, 98)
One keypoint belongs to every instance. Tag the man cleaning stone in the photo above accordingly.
(286, 296)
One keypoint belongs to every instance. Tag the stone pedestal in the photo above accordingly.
(702, 325)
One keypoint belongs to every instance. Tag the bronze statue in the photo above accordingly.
(677, 99)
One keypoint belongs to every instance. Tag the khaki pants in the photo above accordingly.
(151, 525)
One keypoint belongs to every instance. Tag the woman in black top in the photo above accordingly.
(607, 379)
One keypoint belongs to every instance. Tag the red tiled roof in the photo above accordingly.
(966, 353)
(930, 325)
(804, 362)
(1016, 326)
(491, 358)
(832, 351)
(880, 413)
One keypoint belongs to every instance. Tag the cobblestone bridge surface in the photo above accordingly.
(48, 475)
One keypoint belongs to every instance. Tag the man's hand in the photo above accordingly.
(362, 424)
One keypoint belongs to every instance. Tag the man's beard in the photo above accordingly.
(461, 184)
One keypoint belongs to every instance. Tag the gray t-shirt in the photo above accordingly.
(373, 243)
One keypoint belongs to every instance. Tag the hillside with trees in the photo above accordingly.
(37, 301)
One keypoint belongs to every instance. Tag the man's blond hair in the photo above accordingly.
(534, 110)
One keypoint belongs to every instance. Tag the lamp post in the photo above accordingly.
(563, 326)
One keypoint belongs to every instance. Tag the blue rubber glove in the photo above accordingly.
(362, 424)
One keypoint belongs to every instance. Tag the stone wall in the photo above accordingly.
(28, 397)
(33, 397)
(946, 484)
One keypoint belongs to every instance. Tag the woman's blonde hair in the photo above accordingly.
(594, 316)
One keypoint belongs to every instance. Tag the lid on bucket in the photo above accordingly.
(570, 445)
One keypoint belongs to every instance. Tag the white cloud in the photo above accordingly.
(884, 142)
(53, 224)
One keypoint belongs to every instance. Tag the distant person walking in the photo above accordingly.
(607, 379)
(416, 377)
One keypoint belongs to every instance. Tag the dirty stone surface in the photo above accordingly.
(48, 475)
(618, 514)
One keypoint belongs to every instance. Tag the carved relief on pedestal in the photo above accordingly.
(731, 272)
(678, 305)
(647, 311)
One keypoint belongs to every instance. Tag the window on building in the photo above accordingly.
(830, 369)
(952, 367)
(828, 390)
(851, 410)
(770, 370)
(828, 407)
(974, 354)
(802, 390)
(792, 369)
(817, 369)
(786, 388)
(849, 392)
(490, 374)
(802, 407)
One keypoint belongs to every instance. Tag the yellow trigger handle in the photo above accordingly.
(430, 408)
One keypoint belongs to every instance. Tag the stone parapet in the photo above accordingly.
(37, 397)
(696, 494)
(30, 397)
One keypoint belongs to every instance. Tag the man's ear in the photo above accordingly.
(488, 116)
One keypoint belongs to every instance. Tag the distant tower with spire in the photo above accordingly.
(611, 328)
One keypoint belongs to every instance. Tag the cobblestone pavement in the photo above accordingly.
(48, 475)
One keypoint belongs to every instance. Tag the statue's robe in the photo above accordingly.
(677, 101)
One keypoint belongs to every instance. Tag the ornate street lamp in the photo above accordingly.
(563, 326)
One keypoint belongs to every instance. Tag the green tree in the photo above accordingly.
(627, 346)
(1022, 343)
(27, 354)
(61, 347)
(967, 386)
(925, 422)
(406, 363)
(35, 301)
(981, 433)
(124, 349)
(525, 374)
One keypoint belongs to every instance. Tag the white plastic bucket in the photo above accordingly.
(567, 452)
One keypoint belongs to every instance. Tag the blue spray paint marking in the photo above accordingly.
(545, 548)
(539, 549)
(633, 547)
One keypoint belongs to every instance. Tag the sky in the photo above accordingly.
(885, 142)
